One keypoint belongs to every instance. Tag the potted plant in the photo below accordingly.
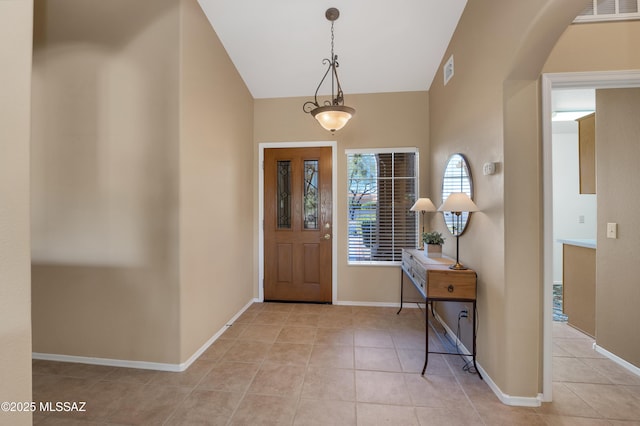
(433, 243)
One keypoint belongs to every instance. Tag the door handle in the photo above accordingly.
(327, 236)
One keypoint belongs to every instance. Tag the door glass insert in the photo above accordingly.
(311, 194)
(284, 194)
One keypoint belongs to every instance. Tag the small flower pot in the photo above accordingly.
(433, 250)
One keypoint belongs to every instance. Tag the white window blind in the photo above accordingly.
(381, 188)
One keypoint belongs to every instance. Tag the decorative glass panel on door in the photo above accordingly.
(284, 195)
(311, 196)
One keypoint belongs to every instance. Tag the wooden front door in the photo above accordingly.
(298, 226)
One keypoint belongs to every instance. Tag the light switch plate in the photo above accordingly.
(612, 230)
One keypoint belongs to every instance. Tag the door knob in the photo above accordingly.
(327, 236)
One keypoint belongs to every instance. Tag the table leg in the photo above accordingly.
(401, 289)
(474, 341)
(426, 336)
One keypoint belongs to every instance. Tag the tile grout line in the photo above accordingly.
(246, 391)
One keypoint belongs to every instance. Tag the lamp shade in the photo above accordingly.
(423, 205)
(333, 117)
(458, 202)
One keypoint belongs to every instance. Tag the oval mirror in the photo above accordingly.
(456, 178)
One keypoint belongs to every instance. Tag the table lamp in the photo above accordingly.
(422, 205)
(457, 203)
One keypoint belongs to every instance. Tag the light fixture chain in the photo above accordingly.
(333, 65)
(332, 37)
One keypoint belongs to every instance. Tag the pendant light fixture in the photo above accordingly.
(333, 114)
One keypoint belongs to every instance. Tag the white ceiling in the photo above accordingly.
(569, 104)
(278, 45)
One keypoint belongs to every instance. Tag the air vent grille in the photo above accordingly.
(610, 10)
(448, 70)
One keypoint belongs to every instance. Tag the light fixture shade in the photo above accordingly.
(333, 117)
(458, 202)
(423, 205)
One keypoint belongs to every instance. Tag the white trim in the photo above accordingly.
(334, 188)
(215, 337)
(123, 363)
(550, 81)
(615, 358)
(606, 18)
(406, 304)
(518, 401)
(381, 150)
(143, 365)
(374, 263)
(547, 229)
(591, 80)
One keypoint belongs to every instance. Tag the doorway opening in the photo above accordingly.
(574, 205)
(551, 82)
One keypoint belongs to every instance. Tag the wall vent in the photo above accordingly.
(448, 70)
(609, 10)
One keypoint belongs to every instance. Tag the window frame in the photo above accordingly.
(416, 178)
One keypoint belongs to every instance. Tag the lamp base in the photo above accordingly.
(458, 266)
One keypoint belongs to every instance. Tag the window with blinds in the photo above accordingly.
(609, 10)
(382, 185)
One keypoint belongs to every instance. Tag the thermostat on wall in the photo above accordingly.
(488, 168)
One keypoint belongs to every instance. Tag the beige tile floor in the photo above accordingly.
(297, 364)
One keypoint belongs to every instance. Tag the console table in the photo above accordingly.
(437, 283)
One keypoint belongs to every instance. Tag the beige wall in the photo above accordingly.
(15, 321)
(142, 148)
(104, 172)
(617, 270)
(216, 174)
(381, 120)
(601, 46)
(489, 111)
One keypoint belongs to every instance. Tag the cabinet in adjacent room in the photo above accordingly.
(587, 153)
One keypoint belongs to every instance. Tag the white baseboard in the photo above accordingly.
(215, 337)
(520, 401)
(378, 304)
(373, 304)
(615, 358)
(144, 365)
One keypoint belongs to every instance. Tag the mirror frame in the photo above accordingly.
(456, 161)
